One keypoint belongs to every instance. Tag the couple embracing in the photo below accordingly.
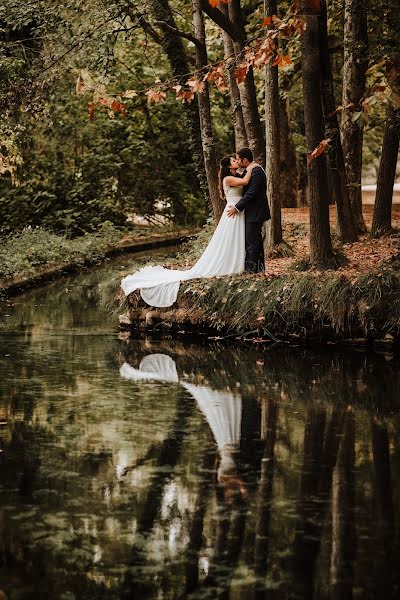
(236, 244)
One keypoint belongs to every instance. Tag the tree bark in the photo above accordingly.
(332, 132)
(320, 237)
(207, 138)
(248, 93)
(239, 126)
(288, 168)
(272, 136)
(355, 66)
(177, 56)
(382, 219)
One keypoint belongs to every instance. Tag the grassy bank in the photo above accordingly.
(358, 302)
(300, 306)
(37, 254)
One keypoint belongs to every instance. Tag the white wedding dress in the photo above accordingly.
(224, 255)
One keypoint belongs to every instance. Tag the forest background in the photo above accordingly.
(123, 107)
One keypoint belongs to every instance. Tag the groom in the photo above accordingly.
(255, 204)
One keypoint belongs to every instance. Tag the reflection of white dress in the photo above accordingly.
(224, 255)
(154, 367)
(222, 410)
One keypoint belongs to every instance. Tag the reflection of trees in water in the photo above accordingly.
(269, 416)
(323, 374)
(288, 417)
(386, 552)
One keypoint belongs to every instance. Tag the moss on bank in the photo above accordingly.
(313, 305)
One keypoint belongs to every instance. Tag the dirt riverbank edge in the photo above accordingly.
(300, 307)
(20, 282)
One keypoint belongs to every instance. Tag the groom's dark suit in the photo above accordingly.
(255, 204)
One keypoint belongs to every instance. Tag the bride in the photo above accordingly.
(224, 255)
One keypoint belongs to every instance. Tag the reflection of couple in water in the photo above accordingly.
(222, 410)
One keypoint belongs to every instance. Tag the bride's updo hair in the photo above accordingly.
(224, 171)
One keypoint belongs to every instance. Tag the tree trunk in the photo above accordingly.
(264, 501)
(382, 220)
(332, 132)
(288, 168)
(239, 126)
(342, 550)
(248, 93)
(320, 237)
(176, 53)
(207, 138)
(355, 66)
(273, 143)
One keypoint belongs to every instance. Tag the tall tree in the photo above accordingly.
(355, 66)
(320, 236)
(382, 219)
(272, 142)
(239, 126)
(332, 132)
(234, 26)
(210, 159)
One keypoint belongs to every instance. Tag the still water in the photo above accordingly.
(162, 469)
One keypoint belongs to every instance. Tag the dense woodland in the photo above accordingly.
(125, 106)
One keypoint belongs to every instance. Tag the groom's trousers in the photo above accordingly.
(254, 260)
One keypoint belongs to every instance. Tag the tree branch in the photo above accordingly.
(188, 36)
(223, 21)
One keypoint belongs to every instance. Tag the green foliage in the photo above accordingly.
(35, 248)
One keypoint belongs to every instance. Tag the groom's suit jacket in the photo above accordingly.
(254, 200)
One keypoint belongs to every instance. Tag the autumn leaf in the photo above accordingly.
(283, 62)
(91, 110)
(80, 86)
(196, 85)
(215, 3)
(267, 21)
(105, 101)
(118, 107)
(155, 96)
(241, 72)
(320, 149)
(129, 94)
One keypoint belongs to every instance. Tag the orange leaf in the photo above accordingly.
(118, 107)
(196, 85)
(214, 3)
(320, 149)
(241, 72)
(267, 21)
(106, 101)
(155, 96)
(91, 111)
(283, 62)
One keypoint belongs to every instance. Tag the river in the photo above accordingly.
(169, 469)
